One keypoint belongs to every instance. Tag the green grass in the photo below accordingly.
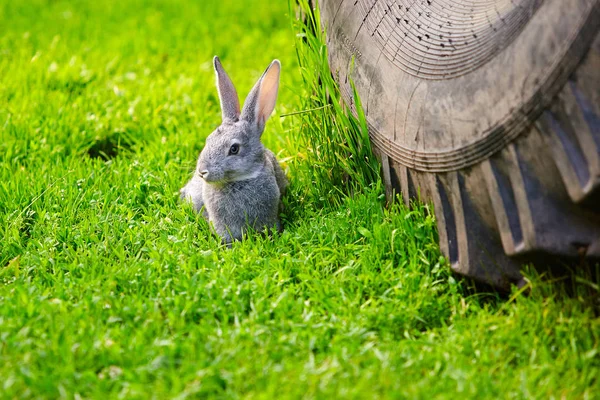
(110, 288)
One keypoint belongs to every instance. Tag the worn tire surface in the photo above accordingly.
(491, 110)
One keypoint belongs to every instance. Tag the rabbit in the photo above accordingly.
(238, 183)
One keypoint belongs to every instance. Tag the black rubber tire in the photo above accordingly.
(489, 109)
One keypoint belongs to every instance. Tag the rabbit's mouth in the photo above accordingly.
(210, 177)
(230, 176)
(213, 180)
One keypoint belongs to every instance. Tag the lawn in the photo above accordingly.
(110, 287)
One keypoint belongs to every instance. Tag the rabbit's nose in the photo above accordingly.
(203, 173)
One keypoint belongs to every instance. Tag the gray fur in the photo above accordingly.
(230, 104)
(242, 190)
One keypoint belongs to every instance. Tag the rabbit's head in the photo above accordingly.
(233, 152)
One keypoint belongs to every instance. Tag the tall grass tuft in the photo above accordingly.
(338, 158)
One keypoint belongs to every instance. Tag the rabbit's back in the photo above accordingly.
(280, 177)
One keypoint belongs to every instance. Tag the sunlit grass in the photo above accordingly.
(110, 287)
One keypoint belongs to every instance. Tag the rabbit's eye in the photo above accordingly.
(234, 149)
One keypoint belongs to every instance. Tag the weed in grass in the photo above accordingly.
(335, 142)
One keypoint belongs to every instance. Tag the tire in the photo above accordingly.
(489, 110)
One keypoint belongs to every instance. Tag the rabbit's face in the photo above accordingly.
(233, 152)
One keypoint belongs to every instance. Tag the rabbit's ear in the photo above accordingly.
(261, 101)
(230, 104)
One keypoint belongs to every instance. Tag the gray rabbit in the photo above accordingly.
(238, 183)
